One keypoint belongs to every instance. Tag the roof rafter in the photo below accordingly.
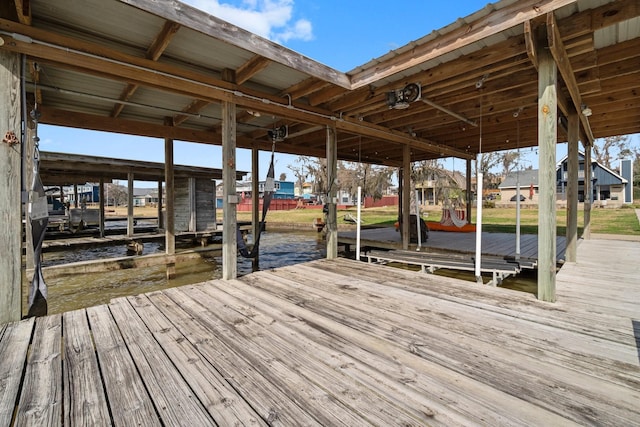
(155, 50)
(556, 46)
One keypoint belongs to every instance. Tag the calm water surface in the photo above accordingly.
(84, 290)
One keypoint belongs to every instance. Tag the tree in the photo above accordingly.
(312, 168)
(606, 150)
(373, 180)
(283, 176)
(116, 194)
(432, 170)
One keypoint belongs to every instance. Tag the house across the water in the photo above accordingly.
(609, 187)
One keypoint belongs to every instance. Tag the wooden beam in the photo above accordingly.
(255, 201)
(556, 46)
(102, 208)
(530, 42)
(229, 196)
(493, 23)
(162, 40)
(10, 194)
(406, 197)
(130, 230)
(154, 52)
(195, 107)
(170, 213)
(235, 36)
(588, 192)
(547, 131)
(23, 10)
(332, 178)
(251, 68)
(572, 188)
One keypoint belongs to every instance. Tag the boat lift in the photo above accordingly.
(500, 268)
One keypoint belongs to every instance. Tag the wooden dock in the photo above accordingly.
(493, 244)
(339, 342)
(499, 267)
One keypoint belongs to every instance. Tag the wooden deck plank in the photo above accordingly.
(13, 354)
(128, 399)
(423, 335)
(366, 405)
(327, 347)
(223, 403)
(41, 397)
(173, 398)
(554, 315)
(414, 327)
(84, 400)
(457, 316)
(273, 405)
(472, 398)
(617, 360)
(311, 345)
(340, 342)
(327, 408)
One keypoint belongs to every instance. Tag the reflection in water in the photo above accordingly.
(88, 289)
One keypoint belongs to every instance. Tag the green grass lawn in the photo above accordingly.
(605, 221)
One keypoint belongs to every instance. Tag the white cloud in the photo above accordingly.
(272, 19)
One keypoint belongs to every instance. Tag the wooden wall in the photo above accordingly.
(194, 204)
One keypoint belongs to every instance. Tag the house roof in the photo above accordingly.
(526, 178)
(601, 173)
(145, 67)
(64, 169)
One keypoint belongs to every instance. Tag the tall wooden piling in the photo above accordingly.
(10, 194)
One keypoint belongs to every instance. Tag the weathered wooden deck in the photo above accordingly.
(493, 244)
(339, 343)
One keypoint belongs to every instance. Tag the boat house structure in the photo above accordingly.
(514, 74)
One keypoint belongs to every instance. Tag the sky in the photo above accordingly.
(342, 34)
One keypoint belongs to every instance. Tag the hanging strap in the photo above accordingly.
(266, 202)
(39, 218)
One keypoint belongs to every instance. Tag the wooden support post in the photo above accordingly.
(159, 207)
(102, 212)
(332, 177)
(130, 229)
(230, 197)
(400, 192)
(255, 201)
(193, 227)
(572, 188)
(469, 192)
(588, 192)
(10, 192)
(547, 134)
(406, 196)
(169, 217)
(75, 196)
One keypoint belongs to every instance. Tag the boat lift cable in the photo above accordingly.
(269, 185)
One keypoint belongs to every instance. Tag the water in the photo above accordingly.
(88, 289)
